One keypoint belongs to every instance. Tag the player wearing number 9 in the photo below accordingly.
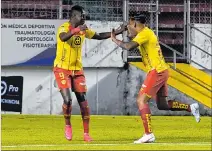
(68, 68)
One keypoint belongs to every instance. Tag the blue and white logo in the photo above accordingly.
(3, 87)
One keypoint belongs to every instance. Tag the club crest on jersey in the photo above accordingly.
(77, 40)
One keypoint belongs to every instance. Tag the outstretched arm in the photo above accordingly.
(106, 35)
(66, 36)
(125, 45)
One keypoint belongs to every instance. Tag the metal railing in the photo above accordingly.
(175, 52)
(202, 15)
(190, 44)
(191, 26)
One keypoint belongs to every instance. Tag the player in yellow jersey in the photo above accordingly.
(68, 68)
(155, 85)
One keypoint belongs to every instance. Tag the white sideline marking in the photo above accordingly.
(60, 145)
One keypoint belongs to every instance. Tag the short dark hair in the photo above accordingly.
(76, 8)
(141, 18)
(132, 15)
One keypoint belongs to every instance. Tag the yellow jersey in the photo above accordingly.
(150, 50)
(69, 53)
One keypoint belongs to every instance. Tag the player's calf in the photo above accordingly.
(67, 108)
(67, 114)
(85, 112)
(178, 106)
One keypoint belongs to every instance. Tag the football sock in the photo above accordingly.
(178, 106)
(67, 113)
(146, 118)
(85, 112)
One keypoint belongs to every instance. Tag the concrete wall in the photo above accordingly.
(136, 77)
(39, 94)
(111, 91)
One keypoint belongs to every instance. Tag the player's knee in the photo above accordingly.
(142, 98)
(81, 96)
(138, 100)
(67, 101)
(66, 94)
(161, 103)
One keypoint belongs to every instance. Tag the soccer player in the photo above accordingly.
(68, 68)
(155, 85)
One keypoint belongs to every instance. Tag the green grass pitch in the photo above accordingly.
(41, 132)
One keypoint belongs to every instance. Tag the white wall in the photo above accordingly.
(39, 94)
(204, 43)
(21, 32)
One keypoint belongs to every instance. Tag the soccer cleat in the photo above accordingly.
(87, 137)
(146, 138)
(68, 132)
(195, 111)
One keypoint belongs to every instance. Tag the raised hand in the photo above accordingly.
(83, 27)
(113, 35)
(131, 31)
